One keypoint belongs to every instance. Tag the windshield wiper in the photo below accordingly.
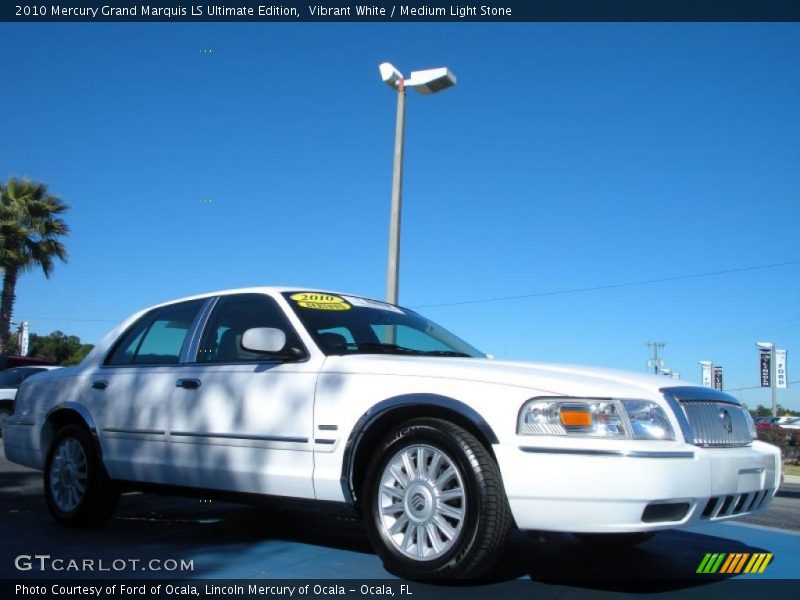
(385, 348)
(381, 347)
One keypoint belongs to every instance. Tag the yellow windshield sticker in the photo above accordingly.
(317, 301)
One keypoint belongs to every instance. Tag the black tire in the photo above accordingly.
(487, 518)
(615, 540)
(100, 496)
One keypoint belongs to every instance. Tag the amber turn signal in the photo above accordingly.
(576, 418)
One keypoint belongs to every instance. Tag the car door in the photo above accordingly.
(131, 392)
(244, 422)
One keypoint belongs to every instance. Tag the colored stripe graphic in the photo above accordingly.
(711, 562)
(729, 563)
(702, 567)
(716, 564)
(767, 559)
(741, 562)
(754, 563)
(734, 563)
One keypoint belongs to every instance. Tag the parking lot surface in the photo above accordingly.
(227, 541)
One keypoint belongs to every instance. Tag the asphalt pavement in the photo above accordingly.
(228, 541)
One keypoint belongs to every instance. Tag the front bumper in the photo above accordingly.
(642, 486)
(21, 443)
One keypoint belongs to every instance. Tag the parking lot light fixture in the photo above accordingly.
(428, 81)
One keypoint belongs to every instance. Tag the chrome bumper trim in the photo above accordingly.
(615, 453)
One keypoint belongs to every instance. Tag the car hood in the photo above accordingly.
(555, 379)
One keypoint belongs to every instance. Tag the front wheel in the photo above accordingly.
(434, 502)
(76, 486)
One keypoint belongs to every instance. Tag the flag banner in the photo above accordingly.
(780, 369)
(766, 368)
(24, 338)
(706, 371)
(718, 378)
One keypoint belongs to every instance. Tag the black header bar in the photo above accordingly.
(383, 11)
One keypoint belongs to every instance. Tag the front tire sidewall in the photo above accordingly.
(394, 560)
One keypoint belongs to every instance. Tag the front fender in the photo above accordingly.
(362, 427)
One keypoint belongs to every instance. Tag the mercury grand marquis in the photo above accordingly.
(351, 403)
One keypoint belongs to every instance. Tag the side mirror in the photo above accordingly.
(264, 340)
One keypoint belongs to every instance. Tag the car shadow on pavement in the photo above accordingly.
(221, 535)
(667, 562)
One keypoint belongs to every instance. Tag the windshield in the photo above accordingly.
(353, 325)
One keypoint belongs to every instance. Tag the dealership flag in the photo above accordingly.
(780, 369)
(23, 339)
(707, 369)
(718, 378)
(766, 368)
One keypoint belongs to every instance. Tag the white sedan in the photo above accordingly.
(351, 404)
(793, 423)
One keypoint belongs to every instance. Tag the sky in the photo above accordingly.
(198, 157)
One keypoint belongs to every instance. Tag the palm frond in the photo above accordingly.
(30, 227)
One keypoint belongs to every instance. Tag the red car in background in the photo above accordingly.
(8, 362)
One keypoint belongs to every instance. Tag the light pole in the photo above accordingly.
(428, 81)
(655, 362)
(771, 347)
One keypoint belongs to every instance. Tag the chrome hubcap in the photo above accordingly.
(422, 502)
(68, 475)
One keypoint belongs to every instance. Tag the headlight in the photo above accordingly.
(648, 420)
(637, 419)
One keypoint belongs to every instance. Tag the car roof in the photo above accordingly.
(250, 290)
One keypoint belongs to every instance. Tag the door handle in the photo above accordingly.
(100, 384)
(188, 384)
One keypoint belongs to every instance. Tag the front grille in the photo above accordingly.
(715, 423)
(725, 506)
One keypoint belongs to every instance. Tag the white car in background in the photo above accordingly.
(361, 406)
(10, 380)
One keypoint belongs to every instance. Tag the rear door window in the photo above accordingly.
(158, 337)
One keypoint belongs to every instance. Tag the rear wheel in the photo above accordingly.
(76, 486)
(434, 502)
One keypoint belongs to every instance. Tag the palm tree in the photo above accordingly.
(30, 229)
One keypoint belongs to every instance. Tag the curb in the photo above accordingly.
(791, 478)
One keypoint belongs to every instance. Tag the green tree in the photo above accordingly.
(58, 347)
(30, 232)
(761, 411)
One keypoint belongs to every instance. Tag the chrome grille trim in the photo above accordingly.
(707, 422)
(701, 415)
